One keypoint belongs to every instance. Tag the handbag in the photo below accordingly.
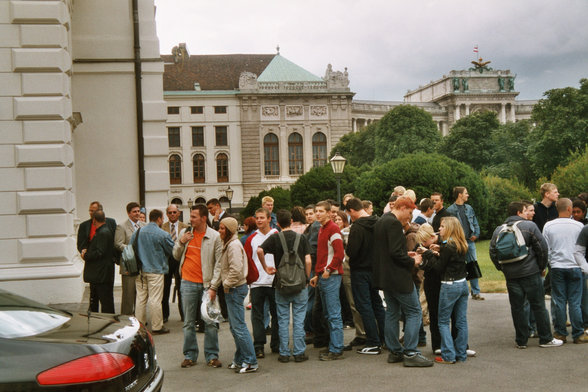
(473, 270)
(130, 257)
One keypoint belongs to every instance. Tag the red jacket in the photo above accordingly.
(329, 251)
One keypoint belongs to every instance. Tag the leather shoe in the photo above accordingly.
(186, 363)
(215, 363)
(161, 331)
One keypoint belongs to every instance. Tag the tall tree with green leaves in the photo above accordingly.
(404, 130)
(470, 139)
(358, 147)
(561, 129)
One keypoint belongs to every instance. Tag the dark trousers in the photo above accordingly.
(531, 288)
(258, 295)
(174, 273)
(369, 305)
(101, 296)
(432, 286)
(319, 322)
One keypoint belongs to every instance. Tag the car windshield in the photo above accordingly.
(21, 317)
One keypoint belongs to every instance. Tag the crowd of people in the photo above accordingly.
(324, 267)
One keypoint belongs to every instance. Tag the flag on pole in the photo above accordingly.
(476, 49)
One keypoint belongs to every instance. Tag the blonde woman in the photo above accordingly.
(453, 295)
(233, 264)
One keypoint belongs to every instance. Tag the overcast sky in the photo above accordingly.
(391, 46)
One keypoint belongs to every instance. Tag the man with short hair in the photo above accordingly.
(440, 211)
(273, 245)
(173, 226)
(122, 237)
(529, 210)
(87, 228)
(523, 279)
(567, 280)
(154, 247)
(368, 206)
(216, 212)
(427, 211)
(393, 266)
(545, 209)
(267, 202)
(99, 266)
(467, 217)
(262, 288)
(329, 269)
(360, 249)
(314, 324)
(199, 249)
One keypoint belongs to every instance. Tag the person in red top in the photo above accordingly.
(329, 269)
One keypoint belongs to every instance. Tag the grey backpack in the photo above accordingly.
(290, 274)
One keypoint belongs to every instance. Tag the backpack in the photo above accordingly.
(510, 244)
(290, 274)
(130, 257)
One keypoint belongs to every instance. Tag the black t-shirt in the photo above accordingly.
(273, 245)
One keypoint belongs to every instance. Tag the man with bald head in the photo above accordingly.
(173, 226)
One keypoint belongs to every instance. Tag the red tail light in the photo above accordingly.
(96, 367)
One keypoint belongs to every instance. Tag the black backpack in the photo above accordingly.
(290, 274)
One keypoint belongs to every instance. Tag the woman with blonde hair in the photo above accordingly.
(453, 295)
(233, 274)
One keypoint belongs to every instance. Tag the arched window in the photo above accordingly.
(177, 201)
(295, 163)
(198, 165)
(200, 200)
(175, 169)
(319, 149)
(222, 168)
(271, 156)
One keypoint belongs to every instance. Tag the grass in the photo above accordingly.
(492, 280)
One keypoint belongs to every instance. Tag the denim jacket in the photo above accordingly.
(470, 214)
(154, 247)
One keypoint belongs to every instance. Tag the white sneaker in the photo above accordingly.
(554, 343)
(471, 353)
(438, 351)
(375, 350)
(248, 369)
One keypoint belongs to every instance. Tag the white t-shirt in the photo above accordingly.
(264, 279)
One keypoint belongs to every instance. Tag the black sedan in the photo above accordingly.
(46, 349)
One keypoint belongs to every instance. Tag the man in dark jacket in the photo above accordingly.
(99, 267)
(393, 267)
(523, 279)
(360, 249)
(87, 228)
(440, 211)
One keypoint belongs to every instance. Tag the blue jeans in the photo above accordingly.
(396, 305)
(528, 289)
(369, 305)
(329, 289)
(298, 303)
(472, 256)
(566, 288)
(453, 298)
(191, 301)
(585, 301)
(244, 353)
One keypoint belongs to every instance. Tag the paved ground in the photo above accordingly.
(499, 366)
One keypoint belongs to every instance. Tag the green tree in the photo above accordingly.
(572, 179)
(281, 200)
(501, 192)
(470, 139)
(561, 128)
(509, 159)
(425, 174)
(403, 130)
(358, 147)
(320, 184)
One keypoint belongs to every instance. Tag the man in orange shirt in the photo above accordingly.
(199, 249)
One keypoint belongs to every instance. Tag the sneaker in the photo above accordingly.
(215, 363)
(554, 343)
(284, 358)
(438, 351)
(417, 360)
(471, 353)
(259, 353)
(374, 350)
(331, 356)
(300, 358)
(233, 366)
(248, 369)
(186, 363)
(560, 337)
(521, 346)
(395, 357)
(444, 362)
(581, 339)
(477, 297)
(161, 331)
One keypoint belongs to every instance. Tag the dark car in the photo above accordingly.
(46, 349)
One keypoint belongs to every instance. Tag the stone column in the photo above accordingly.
(467, 109)
(503, 113)
(457, 114)
(513, 116)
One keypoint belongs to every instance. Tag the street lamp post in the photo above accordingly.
(338, 164)
(229, 194)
